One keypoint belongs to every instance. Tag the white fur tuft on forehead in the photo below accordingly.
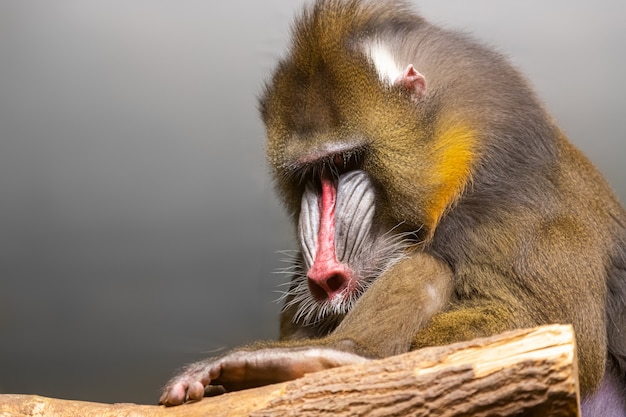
(380, 55)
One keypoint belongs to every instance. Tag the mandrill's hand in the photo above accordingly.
(248, 369)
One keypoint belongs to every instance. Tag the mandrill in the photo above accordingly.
(434, 200)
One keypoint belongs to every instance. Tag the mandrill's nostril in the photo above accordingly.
(336, 283)
(318, 293)
(328, 287)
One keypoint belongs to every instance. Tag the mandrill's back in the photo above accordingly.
(586, 194)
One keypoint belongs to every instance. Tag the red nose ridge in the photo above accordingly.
(327, 276)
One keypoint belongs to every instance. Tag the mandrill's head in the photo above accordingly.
(378, 125)
(347, 98)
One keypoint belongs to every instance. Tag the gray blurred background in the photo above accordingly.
(138, 226)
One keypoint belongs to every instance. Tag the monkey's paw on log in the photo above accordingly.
(532, 371)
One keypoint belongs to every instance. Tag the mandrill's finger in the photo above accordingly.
(214, 390)
(195, 391)
(173, 395)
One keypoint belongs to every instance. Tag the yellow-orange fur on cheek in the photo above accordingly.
(453, 155)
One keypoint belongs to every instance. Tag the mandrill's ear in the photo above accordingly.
(389, 70)
(413, 81)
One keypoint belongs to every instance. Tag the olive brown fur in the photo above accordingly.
(484, 217)
(530, 229)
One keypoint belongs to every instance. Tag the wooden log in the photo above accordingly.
(532, 372)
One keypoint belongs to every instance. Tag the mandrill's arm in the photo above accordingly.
(382, 323)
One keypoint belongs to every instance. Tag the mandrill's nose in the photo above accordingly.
(327, 284)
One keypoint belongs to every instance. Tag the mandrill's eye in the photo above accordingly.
(329, 165)
(345, 161)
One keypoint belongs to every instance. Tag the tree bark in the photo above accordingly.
(529, 372)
